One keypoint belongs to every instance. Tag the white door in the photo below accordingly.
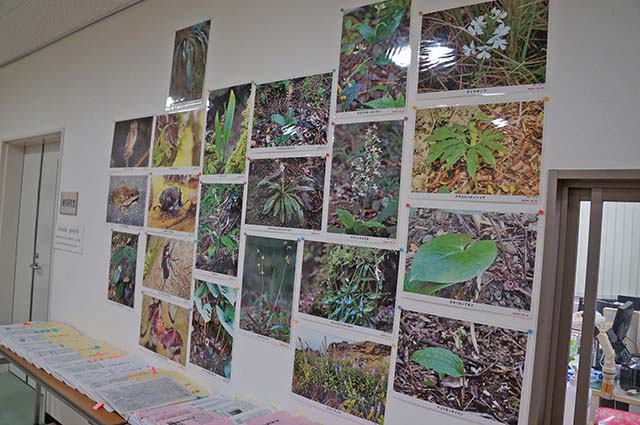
(35, 232)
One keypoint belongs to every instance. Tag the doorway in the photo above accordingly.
(589, 322)
(28, 195)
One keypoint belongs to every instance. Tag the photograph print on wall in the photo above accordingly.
(346, 374)
(493, 44)
(122, 268)
(293, 112)
(219, 228)
(131, 143)
(225, 146)
(267, 287)
(178, 139)
(164, 328)
(492, 149)
(188, 65)
(349, 284)
(214, 309)
(168, 265)
(374, 57)
(173, 202)
(482, 257)
(365, 179)
(126, 200)
(286, 192)
(472, 368)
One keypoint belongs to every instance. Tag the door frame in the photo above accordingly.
(10, 186)
(558, 266)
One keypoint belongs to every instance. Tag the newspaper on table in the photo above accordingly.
(126, 398)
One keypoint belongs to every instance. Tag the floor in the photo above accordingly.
(16, 401)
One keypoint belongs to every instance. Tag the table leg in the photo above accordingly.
(38, 406)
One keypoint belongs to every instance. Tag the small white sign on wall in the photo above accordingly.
(69, 237)
(69, 203)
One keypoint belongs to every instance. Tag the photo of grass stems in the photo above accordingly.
(286, 192)
(477, 369)
(492, 44)
(219, 228)
(349, 284)
(214, 309)
(493, 149)
(189, 63)
(292, 112)
(131, 143)
(374, 56)
(267, 287)
(347, 375)
(483, 257)
(227, 130)
(178, 139)
(122, 268)
(365, 178)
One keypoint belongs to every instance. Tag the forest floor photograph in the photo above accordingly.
(286, 192)
(122, 268)
(349, 284)
(491, 44)
(173, 202)
(168, 264)
(350, 376)
(178, 139)
(483, 257)
(473, 368)
(365, 179)
(225, 145)
(293, 112)
(214, 309)
(374, 56)
(493, 149)
(127, 200)
(267, 287)
(219, 228)
(164, 328)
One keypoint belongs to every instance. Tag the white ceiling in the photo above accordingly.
(28, 25)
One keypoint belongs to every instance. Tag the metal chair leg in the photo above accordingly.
(38, 407)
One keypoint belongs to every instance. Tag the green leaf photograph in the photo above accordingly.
(212, 327)
(267, 287)
(493, 44)
(374, 57)
(293, 112)
(219, 228)
(365, 178)
(189, 64)
(492, 149)
(225, 144)
(286, 192)
(482, 257)
(122, 268)
(349, 284)
(473, 368)
(349, 375)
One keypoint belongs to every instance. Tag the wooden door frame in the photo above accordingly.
(554, 312)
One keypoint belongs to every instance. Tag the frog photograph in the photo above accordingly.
(126, 200)
(173, 202)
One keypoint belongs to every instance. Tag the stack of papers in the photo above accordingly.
(127, 384)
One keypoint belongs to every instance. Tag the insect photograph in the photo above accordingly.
(167, 265)
(173, 202)
(164, 328)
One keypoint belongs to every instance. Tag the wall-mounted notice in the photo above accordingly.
(69, 237)
(69, 203)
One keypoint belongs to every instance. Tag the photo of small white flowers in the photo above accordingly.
(365, 178)
(493, 44)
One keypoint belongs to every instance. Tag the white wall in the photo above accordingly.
(120, 68)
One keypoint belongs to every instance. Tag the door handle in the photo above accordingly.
(35, 266)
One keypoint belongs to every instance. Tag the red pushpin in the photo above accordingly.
(540, 212)
(327, 155)
(408, 205)
(420, 13)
